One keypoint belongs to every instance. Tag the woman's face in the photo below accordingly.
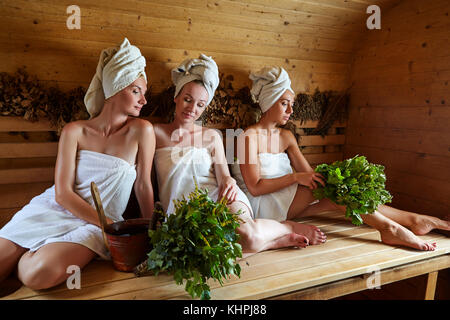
(282, 109)
(190, 102)
(132, 98)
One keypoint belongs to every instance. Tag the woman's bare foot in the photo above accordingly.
(313, 233)
(423, 224)
(290, 240)
(395, 234)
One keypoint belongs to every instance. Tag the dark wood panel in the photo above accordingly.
(420, 141)
(430, 118)
(6, 214)
(422, 164)
(18, 195)
(437, 94)
(420, 205)
(420, 187)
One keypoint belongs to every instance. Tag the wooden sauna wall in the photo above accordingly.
(400, 104)
(313, 40)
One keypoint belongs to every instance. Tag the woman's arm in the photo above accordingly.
(298, 160)
(65, 176)
(227, 185)
(250, 168)
(143, 185)
(305, 173)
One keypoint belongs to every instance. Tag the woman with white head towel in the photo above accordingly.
(60, 227)
(276, 192)
(187, 152)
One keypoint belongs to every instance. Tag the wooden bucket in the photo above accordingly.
(128, 242)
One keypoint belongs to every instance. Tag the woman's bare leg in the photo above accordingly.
(395, 234)
(264, 234)
(392, 233)
(301, 205)
(10, 254)
(419, 224)
(47, 267)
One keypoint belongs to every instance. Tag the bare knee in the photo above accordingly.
(10, 254)
(40, 274)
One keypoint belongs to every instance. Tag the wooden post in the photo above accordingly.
(431, 285)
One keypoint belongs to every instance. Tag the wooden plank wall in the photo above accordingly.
(400, 104)
(312, 40)
(27, 159)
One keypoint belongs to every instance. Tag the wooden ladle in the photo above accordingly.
(101, 213)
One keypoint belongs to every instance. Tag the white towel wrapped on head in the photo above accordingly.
(204, 69)
(269, 84)
(117, 68)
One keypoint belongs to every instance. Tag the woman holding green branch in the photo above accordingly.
(187, 153)
(263, 171)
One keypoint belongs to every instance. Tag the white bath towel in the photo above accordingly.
(117, 68)
(204, 69)
(272, 205)
(269, 84)
(44, 221)
(176, 169)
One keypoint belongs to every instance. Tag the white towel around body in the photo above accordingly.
(44, 221)
(177, 167)
(273, 205)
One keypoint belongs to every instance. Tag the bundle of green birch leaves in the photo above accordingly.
(355, 183)
(197, 242)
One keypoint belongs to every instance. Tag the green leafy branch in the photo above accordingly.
(355, 183)
(196, 242)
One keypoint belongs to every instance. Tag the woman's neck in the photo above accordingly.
(109, 122)
(267, 123)
(189, 127)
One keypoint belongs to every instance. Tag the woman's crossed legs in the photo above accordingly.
(397, 227)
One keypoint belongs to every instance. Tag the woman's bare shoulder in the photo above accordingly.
(160, 126)
(251, 130)
(144, 129)
(140, 123)
(285, 133)
(288, 138)
(74, 127)
(211, 132)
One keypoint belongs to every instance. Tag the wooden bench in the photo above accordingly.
(343, 265)
(340, 266)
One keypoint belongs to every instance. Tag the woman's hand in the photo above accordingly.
(309, 179)
(228, 189)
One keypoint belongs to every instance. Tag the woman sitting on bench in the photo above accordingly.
(187, 153)
(264, 173)
(60, 227)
